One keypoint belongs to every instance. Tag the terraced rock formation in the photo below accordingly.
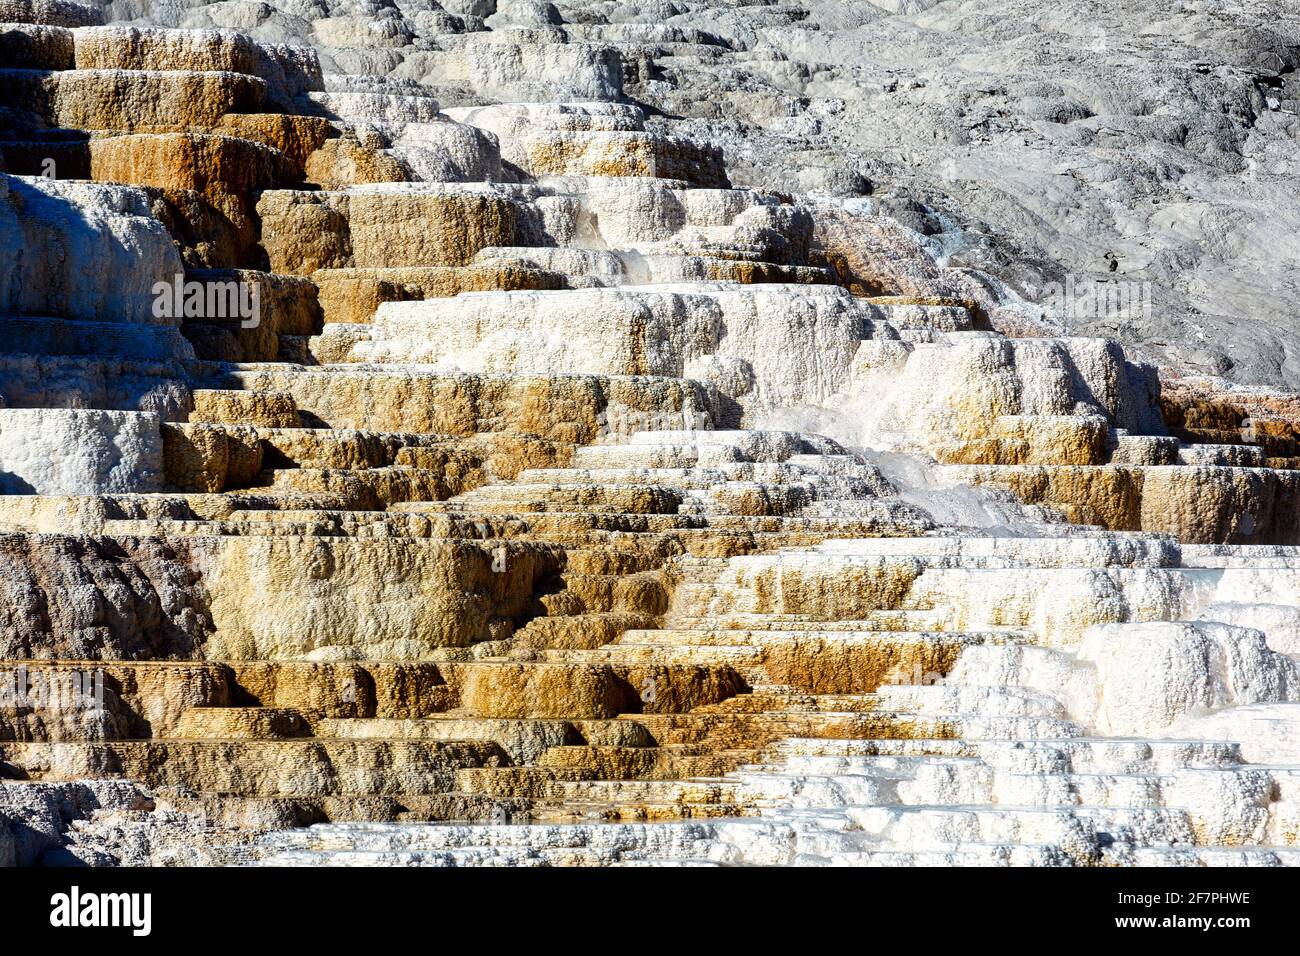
(1151, 143)
(463, 471)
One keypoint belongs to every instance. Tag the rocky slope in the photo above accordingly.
(1150, 144)
(414, 449)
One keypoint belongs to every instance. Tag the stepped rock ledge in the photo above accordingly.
(490, 432)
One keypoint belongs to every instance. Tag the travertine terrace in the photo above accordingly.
(560, 502)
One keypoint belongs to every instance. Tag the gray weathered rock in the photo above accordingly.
(1147, 143)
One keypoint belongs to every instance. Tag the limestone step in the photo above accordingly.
(581, 764)
(751, 444)
(240, 723)
(904, 620)
(338, 448)
(1266, 733)
(665, 655)
(290, 812)
(613, 793)
(555, 522)
(136, 48)
(940, 318)
(968, 699)
(53, 13)
(1240, 556)
(484, 856)
(528, 783)
(1239, 456)
(576, 809)
(523, 740)
(370, 107)
(384, 399)
(1137, 497)
(1076, 754)
(42, 700)
(1116, 550)
(353, 295)
(384, 225)
(883, 630)
(868, 481)
(370, 489)
(966, 853)
(130, 100)
(602, 331)
(303, 767)
(903, 827)
(611, 561)
(582, 631)
(578, 688)
(33, 335)
(265, 409)
(665, 267)
(143, 699)
(770, 728)
(604, 498)
(661, 840)
(767, 698)
(967, 783)
(1212, 856)
(834, 555)
(633, 153)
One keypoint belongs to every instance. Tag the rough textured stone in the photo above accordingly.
(555, 480)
